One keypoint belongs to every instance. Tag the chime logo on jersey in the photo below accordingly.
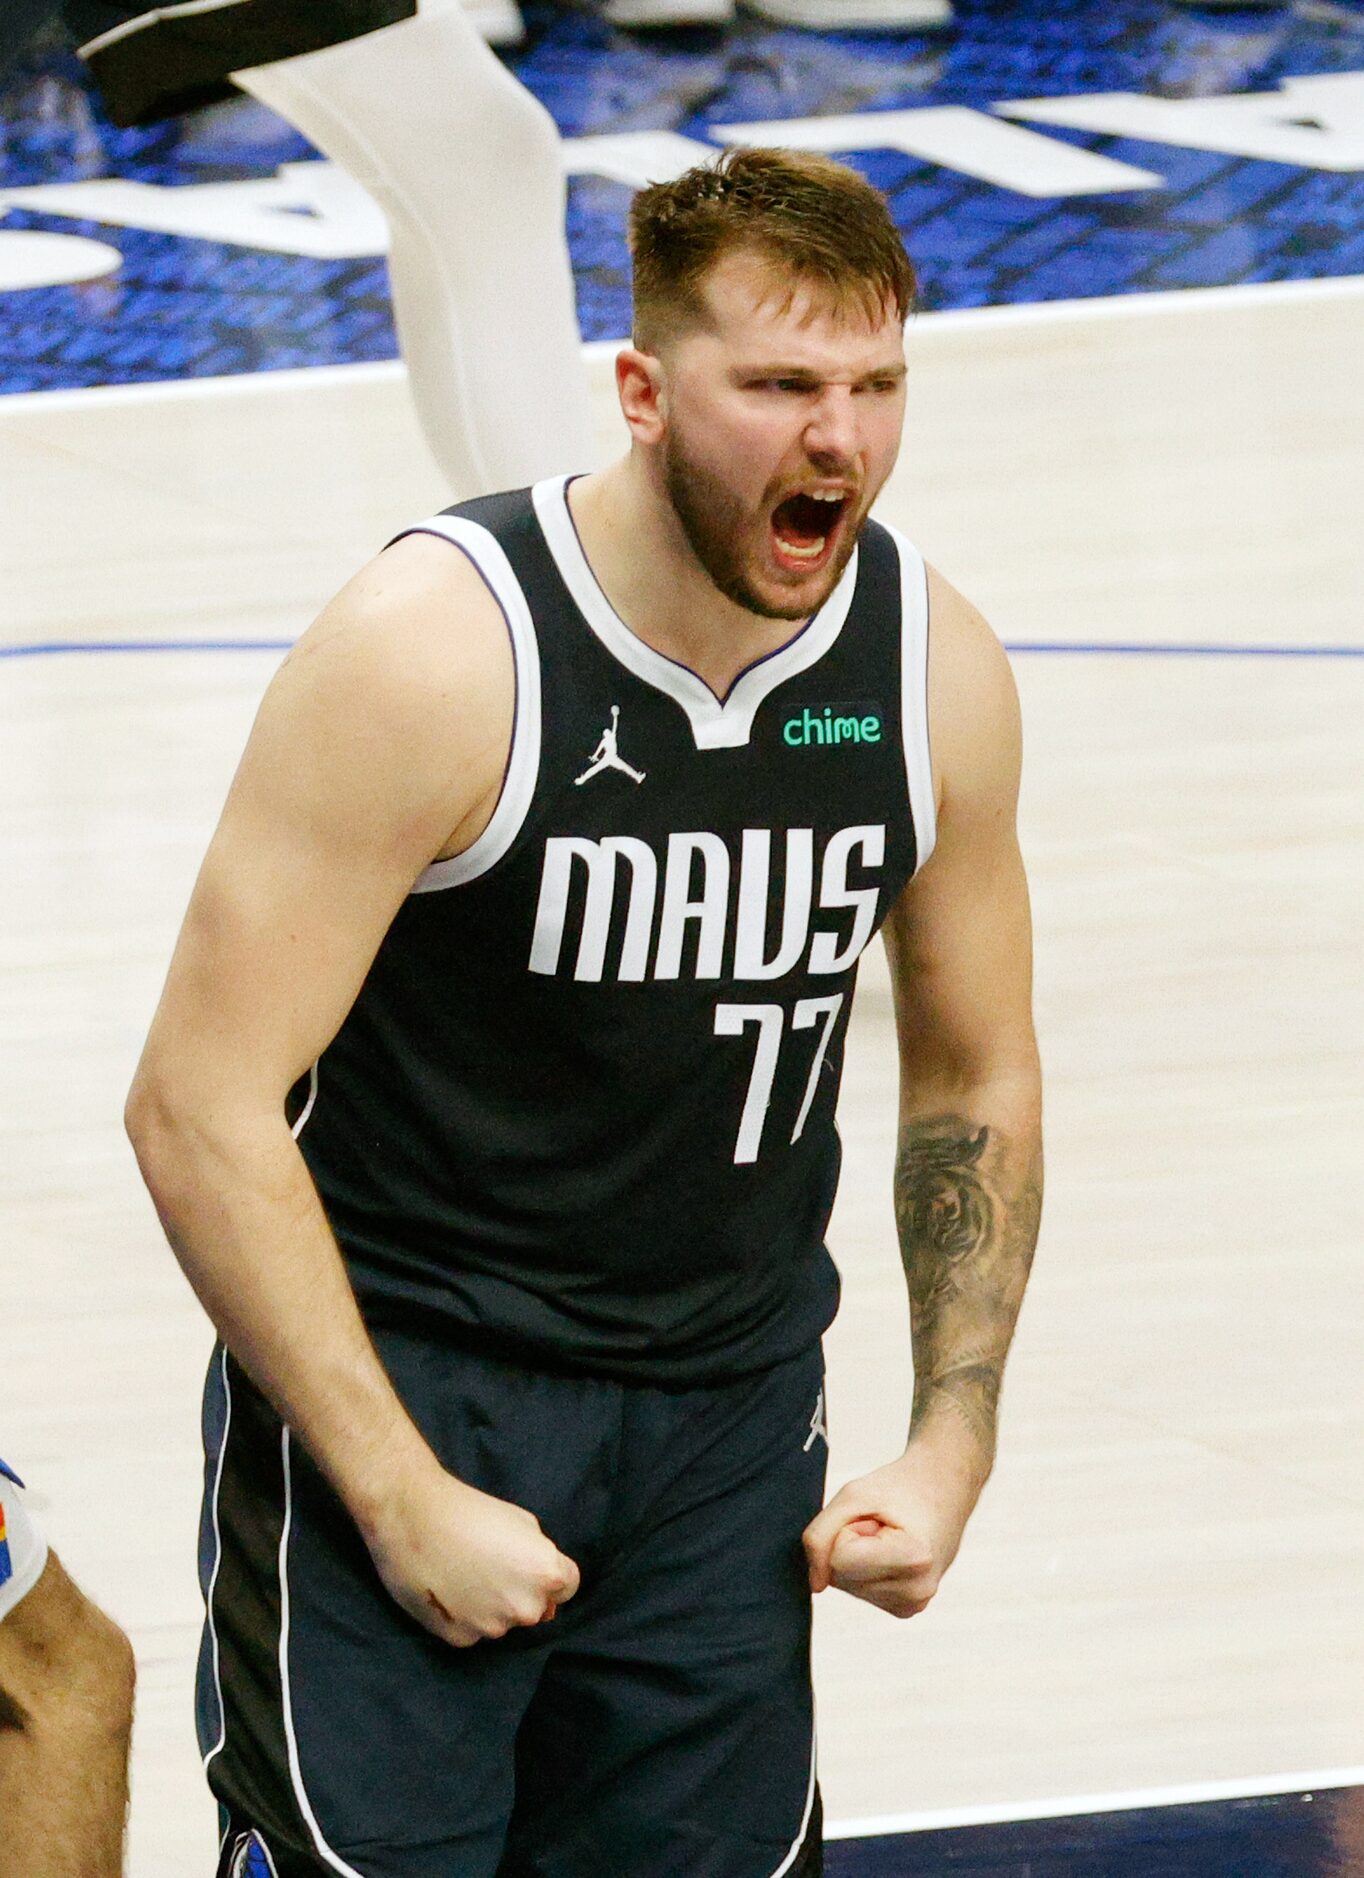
(832, 723)
(693, 902)
(252, 1859)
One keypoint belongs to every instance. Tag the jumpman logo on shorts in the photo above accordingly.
(819, 1427)
(606, 756)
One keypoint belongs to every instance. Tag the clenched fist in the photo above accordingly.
(464, 1564)
(889, 1537)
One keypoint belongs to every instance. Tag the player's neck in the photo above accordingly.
(645, 566)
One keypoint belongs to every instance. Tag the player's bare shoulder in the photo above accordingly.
(408, 674)
(419, 624)
(972, 701)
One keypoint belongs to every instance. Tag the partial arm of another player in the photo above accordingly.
(66, 1712)
(379, 746)
(968, 1176)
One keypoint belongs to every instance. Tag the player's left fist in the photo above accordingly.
(887, 1538)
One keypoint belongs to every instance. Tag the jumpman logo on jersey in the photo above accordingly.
(606, 756)
(819, 1427)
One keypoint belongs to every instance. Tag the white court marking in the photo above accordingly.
(1195, 1793)
(1195, 300)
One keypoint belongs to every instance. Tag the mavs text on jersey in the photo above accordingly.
(584, 1104)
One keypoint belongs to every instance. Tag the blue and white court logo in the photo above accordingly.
(251, 1858)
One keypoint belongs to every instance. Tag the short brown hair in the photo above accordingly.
(813, 219)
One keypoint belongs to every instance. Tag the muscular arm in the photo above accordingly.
(968, 1197)
(968, 1174)
(379, 746)
(66, 1712)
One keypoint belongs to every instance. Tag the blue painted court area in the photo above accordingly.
(1299, 1835)
(173, 305)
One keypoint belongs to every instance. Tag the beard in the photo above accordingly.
(718, 527)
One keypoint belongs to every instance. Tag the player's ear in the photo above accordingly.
(640, 387)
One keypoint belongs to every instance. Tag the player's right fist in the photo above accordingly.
(466, 1565)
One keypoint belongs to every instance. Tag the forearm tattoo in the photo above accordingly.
(967, 1203)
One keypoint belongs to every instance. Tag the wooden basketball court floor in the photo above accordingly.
(1158, 501)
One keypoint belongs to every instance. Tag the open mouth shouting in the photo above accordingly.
(806, 527)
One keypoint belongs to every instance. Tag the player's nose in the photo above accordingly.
(831, 435)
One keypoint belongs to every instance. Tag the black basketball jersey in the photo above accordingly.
(583, 1107)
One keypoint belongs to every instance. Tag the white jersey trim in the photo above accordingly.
(305, 1113)
(324, 1851)
(523, 760)
(716, 724)
(209, 1595)
(27, 1547)
(914, 695)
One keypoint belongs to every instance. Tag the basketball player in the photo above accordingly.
(464, 162)
(66, 1707)
(490, 1104)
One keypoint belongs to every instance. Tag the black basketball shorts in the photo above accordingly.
(660, 1727)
